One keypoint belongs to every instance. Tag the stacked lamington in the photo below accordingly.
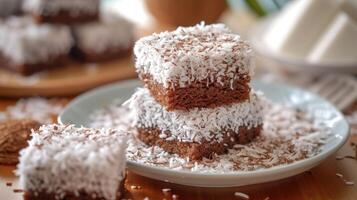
(65, 162)
(36, 35)
(197, 101)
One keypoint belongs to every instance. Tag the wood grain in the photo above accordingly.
(68, 80)
(320, 183)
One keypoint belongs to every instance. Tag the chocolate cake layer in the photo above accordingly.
(27, 69)
(200, 94)
(62, 11)
(91, 56)
(10, 7)
(195, 150)
(65, 17)
(48, 196)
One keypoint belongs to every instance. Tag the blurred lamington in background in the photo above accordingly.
(37, 35)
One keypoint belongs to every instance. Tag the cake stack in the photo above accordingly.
(197, 101)
(49, 33)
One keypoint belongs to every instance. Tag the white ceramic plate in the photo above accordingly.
(79, 110)
(288, 63)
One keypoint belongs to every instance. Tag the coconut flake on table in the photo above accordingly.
(288, 135)
(37, 108)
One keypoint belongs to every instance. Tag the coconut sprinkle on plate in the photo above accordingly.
(289, 135)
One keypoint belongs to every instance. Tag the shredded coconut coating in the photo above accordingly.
(50, 7)
(209, 53)
(23, 41)
(64, 159)
(111, 32)
(37, 108)
(288, 135)
(197, 123)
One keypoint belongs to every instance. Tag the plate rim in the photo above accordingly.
(312, 161)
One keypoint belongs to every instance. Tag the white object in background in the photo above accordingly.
(133, 10)
(297, 28)
(350, 7)
(338, 43)
(340, 90)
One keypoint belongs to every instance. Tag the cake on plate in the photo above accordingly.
(199, 66)
(62, 11)
(199, 132)
(197, 102)
(110, 37)
(65, 162)
(26, 47)
(10, 7)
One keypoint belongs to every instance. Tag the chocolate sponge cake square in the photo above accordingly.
(199, 132)
(64, 162)
(10, 7)
(62, 11)
(200, 66)
(26, 47)
(109, 38)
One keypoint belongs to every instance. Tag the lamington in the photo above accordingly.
(199, 132)
(111, 37)
(10, 7)
(199, 66)
(65, 162)
(26, 47)
(62, 11)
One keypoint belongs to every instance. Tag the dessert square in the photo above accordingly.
(10, 7)
(111, 37)
(26, 47)
(65, 162)
(62, 11)
(200, 132)
(199, 66)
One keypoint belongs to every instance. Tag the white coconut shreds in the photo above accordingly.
(289, 135)
(209, 53)
(64, 159)
(196, 124)
(98, 36)
(23, 41)
(37, 108)
(51, 7)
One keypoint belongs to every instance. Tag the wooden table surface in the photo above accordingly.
(319, 183)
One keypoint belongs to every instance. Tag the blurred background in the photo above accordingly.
(54, 50)
(309, 43)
